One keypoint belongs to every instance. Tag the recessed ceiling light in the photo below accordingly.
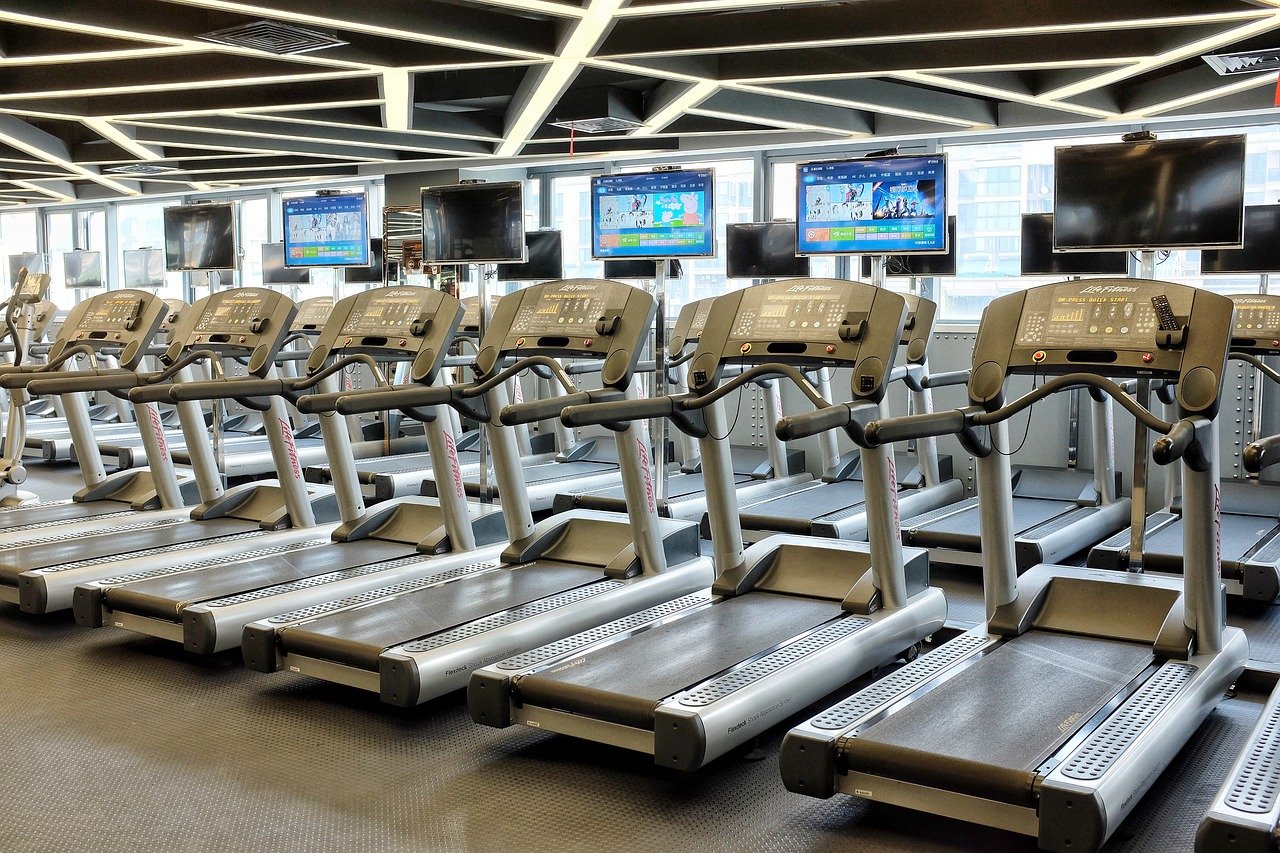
(1245, 62)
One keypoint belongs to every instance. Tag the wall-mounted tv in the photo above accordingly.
(473, 223)
(639, 270)
(326, 229)
(372, 274)
(143, 268)
(654, 215)
(872, 206)
(1039, 258)
(200, 237)
(920, 266)
(82, 269)
(762, 250)
(545, 263)
(33, 261)
(1261, 252)
(274, 270)
(1166, 194)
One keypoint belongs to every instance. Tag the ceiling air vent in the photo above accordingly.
(1246, 62)
(274, 37)
(140, 169)
(609, 109)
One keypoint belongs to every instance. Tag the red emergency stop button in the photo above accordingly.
(1039, 356)
(1147, 358)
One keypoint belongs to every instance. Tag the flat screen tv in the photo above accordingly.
(1039, 258)
(326, 230)
(371, 274)
(654, 215)
(920, 266)
(762, 250)
(872, 206)
(143, 268)
(473, 223)
(274, 270)
(1261, 252)
(82, 269)
(640, 270)
(200, 237)
(1166, 194)
(545, 263)
(33, 261)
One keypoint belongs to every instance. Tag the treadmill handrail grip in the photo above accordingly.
(818, 421)
(541, 410)
(113, 379)
(1183, 441)
(948, 379)
(1262, 454)
(619, 411)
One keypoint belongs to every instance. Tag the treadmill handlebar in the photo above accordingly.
(378, 399)
(541, 410)
(816, 422)
(925, 425)
(618, 411)
(948, 379)
(1262, 454)
(83, 381)
(217, 389)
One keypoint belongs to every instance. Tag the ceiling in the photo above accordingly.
(87, 88)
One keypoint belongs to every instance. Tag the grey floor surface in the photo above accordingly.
(115, 742)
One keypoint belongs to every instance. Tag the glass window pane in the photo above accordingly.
(255, 229)
(18, 234)
(571, 213)
(59, 238)
(141, 226)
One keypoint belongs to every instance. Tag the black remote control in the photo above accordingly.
(1164, 313)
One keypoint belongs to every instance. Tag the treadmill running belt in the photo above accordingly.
(358, 636)
(120, 544)
(164, 597)
(984, 732)
(1240, 533)
(70, 511)
(415, 462)
(1027, 513)
(807, 504)
(549, 471)
(623, 683)
(678, 486)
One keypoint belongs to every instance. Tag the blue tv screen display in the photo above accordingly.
(653, 215)
(326, 230)
(874, 206)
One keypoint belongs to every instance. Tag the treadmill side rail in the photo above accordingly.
(1246, 809)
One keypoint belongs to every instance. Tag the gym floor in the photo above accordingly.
(120, 742)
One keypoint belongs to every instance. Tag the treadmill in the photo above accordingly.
(1250, 509)
(757, 471)
(835, 505)
(787, 620)
(107, 500)
(205, 603)
(1245, 812)
(1056, 512)
(246, 323)
(1055, 717)
(571, 572)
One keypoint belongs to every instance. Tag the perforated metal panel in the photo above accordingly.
(383, 592)
(1109, 741)
(1255, 788)
(142, 525)
(211, 562)
(604, 632)
(43, 525)
(151, 552)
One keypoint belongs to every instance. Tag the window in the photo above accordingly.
(18, 234)
(255, 229)
(705, 277)
(571, 213)
(59, 238)
(532, 205)
(141, 226)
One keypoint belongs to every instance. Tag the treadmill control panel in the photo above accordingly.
(1111, 328)
(1257, 327)
(312, 314)
(689, 323)
(392, 321)
(589, 318)
(804, 322)
(123, 320)
(247, 321)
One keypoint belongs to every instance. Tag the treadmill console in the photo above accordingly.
(34, 288)
(590, 318)
(1117, 328)
(176, 309)
(471, 319)
(921, 315)
(249, 322)
(312, 315)
(804, 322)
(124, 320)
(396, 321)
(1257, 328)
(689, 324)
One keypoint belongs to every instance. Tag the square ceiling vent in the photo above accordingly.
(140, 169)
(604, 109)
(1246, 62)
(274, 37)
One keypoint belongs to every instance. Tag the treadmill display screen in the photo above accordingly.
(111, 313)
(314, 312)
(572, 310)
(802, 312)
(1257, 317)
(391, 312)
(234, 314)
(1100, 317)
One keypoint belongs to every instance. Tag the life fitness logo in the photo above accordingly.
(893, 490)
(454, 468)
(286, 432)
(651, 499)
(157, 429)
(518, 391)
(1217, 531)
